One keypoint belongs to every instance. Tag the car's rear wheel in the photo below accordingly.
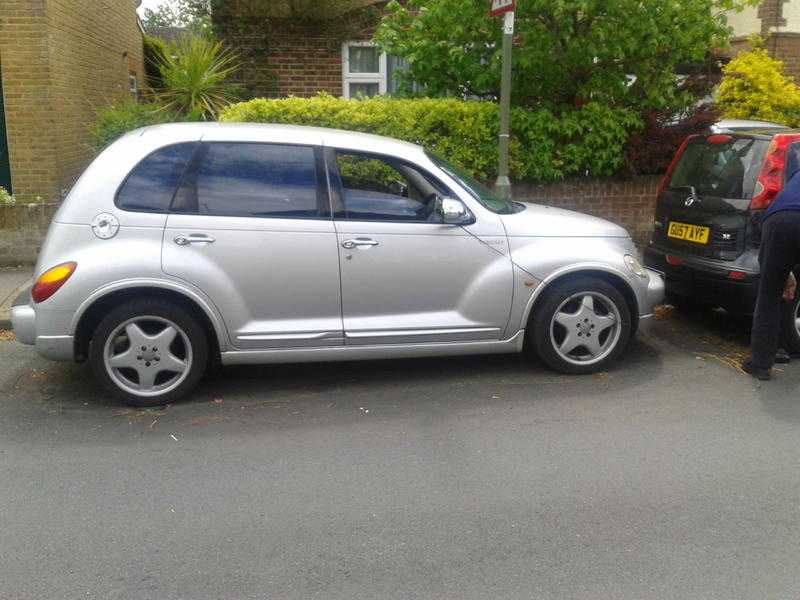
(581, 326)
(149, 352)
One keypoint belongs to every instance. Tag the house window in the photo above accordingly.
(133, 85)
(364, 70)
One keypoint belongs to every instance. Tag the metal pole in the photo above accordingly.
(503, 184)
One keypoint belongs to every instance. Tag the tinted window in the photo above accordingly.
(726, 170)
(257, 180)
(381, 189)
(151, 184)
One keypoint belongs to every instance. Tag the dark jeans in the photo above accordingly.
(780, 252)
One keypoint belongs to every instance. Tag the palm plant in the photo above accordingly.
(195, 74)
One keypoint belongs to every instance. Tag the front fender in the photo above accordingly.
(541, 261)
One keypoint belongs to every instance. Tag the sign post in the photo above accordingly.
(505, 8)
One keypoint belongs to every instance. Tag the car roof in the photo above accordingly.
(276, 133)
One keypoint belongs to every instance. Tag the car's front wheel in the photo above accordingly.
(149, 352)
(581, 325)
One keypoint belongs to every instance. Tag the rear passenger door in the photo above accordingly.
(251, 227)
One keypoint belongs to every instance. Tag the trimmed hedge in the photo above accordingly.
(589, 140)
(117, 119)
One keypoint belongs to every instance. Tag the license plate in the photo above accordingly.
(690, 233)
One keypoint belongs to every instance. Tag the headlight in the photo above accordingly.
(635, 266)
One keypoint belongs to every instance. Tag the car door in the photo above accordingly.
(251, 227)
(406, 276)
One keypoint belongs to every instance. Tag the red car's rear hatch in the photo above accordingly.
(704, 200)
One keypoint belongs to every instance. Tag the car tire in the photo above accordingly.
(587, 312)
(790, 333)
(149, 352)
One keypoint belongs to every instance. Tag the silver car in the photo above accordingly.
(186, 244)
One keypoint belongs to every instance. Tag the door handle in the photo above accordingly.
(195, 238)
(358, 242)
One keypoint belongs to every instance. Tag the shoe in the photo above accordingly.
(757, 372)
(782, 357)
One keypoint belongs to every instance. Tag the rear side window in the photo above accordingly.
(256, 180)
(725, 170)
(152, 183)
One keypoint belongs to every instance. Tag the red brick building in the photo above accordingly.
(285, 55)
(59, 61)
(778, 22)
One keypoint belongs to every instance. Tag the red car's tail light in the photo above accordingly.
(51, 280)
(770, 179)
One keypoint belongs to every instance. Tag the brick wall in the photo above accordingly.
(60, 60)
(282, 58)
(630, 203)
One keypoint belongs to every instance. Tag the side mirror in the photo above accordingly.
(453, 212)
(399, 188)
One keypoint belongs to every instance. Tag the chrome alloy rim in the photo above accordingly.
(148, 356)
(585, 328)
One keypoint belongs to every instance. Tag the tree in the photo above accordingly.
(754, 86)
(617, 52)
(192, 15)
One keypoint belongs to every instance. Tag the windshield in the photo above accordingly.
(727, 170)
(476, 189)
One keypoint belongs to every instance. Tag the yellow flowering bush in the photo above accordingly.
(754, 86)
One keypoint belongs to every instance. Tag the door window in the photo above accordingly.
(383, 189)
(152, 183)
(254, 180)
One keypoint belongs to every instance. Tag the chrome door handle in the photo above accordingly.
(350, 244)
(184, 240)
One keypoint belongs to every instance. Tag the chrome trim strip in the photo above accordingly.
(428, 332)
(374, 352)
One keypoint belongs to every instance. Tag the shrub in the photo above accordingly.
(126, 115)
(754, 86)
(155, 50)
(5, 197)
(195, 74)
(588, 141)
(651, 150)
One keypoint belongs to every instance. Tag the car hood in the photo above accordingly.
(545, 221)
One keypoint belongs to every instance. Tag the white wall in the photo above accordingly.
(791, 12)
(747, 22)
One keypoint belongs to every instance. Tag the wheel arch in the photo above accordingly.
(608, 275)
(96, 306)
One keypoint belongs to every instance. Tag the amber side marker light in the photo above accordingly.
(51, 280)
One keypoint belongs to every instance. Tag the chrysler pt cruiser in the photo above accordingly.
(186, 244)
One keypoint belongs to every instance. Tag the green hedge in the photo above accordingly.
(585, 141)
(119, 118)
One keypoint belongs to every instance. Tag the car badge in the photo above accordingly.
(105, 226)
(690, 201)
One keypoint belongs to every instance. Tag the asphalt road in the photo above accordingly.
(672, 476)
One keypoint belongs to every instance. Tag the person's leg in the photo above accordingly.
(777, 256)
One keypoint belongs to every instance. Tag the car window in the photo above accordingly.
(151, 184)
(724, 170)
(256, 180)
(476, 189)
(375, 188)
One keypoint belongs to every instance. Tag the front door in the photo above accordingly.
(251, 228)
(5, 162)
(407, 277)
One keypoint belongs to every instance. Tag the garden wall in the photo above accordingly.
(631, 203)
(627, 202)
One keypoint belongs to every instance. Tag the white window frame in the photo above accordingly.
(381, 77)
(133, 85)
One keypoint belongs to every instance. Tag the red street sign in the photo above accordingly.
(501, 7)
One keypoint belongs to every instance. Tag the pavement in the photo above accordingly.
(12, 282)
(673, 475)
